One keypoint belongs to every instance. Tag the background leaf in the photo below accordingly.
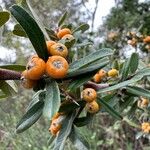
(83, 27)
(62, 19)
(52, 99)
(32, 30)
(4, 17)
(30, 117)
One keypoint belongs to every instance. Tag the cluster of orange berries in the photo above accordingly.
(56, 65)
(145, 127)
(90, 95)
(101, 74)
(56, 123)
(143, 102)
(133, 39)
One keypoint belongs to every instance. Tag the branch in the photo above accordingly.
(6, 74)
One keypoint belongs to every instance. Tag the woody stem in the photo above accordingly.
(6, 74)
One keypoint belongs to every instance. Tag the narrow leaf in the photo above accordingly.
(62, 19)
(109, 109)
(31, 116)
(125, 70)
(64, 132)
(4, 17)
(13, 67)
(32, 30)
(78, 140)
(134, 62)
(83, 27)
(52, 99)
(138, 91)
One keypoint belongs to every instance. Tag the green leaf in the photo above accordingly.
(30, 117)
(121, 84)
(125, 70)
(83, 44)
(9, 87)
(134, 62)
(32, 30)
(51, 34)
(90, 58)
(4, 17)
(109, 109)
(52, 99)
(77, 82)
(37, 97)
(64, 132)
(13, 67)
(78, 140)
(70, 43)
(138, 91)
(83, 27)
(18, 30)
(62, 19)
(83, 121)
(89, 69)
(131, 112)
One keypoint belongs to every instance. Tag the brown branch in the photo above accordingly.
(9, 75)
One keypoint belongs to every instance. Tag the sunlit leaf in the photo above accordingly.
(83, 27)
(62, 19)
(134, 62)
(14, 67)
(18, 30)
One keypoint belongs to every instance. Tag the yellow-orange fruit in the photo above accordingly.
(27, 83)
(113, 73)
(92, 107)
(55, 127)
(68, 37)
(96, 78)
(63, 32)
(102, 73)
(49, 44)
(57, 67)
(146, 39)
(59, 50)
(89, 94)
(35, 68)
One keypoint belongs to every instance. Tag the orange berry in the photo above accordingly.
(63, 32)
(89, 94)
(35, 68)
(102, 73)
(145, 125)
(92, 107)
(97, 78)
(146, 39)
(55, 127)
(49, 44)
(27, 83)
(58, 49)
(145, 101)
(57, 67)
(68, 37)
(113, 73)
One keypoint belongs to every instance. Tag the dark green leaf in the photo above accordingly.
(18, 30)
(83, 27)
(31, 116)
(4, 17)
(125, 70)
(121, 84)
(70, 43)
(77, 82)
(132, 110)
(90, 58)
(134, 61)
(78, 140)
(52, 99)
(109, 109)
(62, 19)
(138, 91)
(32, 30)
(64, 132)
(13, 67)
(83, 121)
